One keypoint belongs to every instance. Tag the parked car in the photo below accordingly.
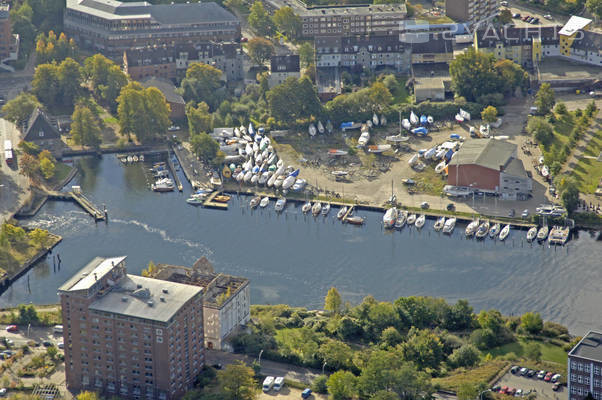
(511, 392)
(3, 392)
(268, 383)
(496, 388)
(504, 3)
(504, 390)
(516, 15)
(173, 128)
(525, 18)
(217, 366)
(556, 387)
(518, 393)
(548, 376)
(531, 373)
(12, 328)
(61, 345)
(306, 393)
(556, 378)
(541, 374)
(424, 205)
(451, 207)
(547, 16)
(534, 21)
(244, 40)
(511, 213)
(523, 371)
(514, 369)
(525, 213)
(46, 343)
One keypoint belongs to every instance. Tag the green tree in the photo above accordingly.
(86, 395)
(531, 322)
(29, 166)
(491, 319)
(544, 100)
(595, 7)
(383, 394)
(85, 129)
(590, 109)
(306, 54)
(424, 348)
(204, 147)
(201, 84)
(489, 114)
(237, 382)
(260, 20)
(541, 130)
(52, 351)
(47, 167)
(570, 195)
(199, 118)
(560, 109)
(391, 337)
(70, 79)
(45, 84)
(533, 351)
(21, 20)
(287, 21)
(505, 16)
(143, 112)
(38, 237)
(465, 356)
(466, 391)
(332, 301)
(105, 78)
(341, 385)
(260, 50)
(294, 99)
(27, 313)
(319, 384)
(473, 74)
(20, 108)
(336, 354)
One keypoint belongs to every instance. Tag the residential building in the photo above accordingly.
(585, 368)
(490, 166)
(9, 43)
(226, 298)
(431, 82)
(112, 27)
(227, 57)
(146, 62)
(130, 336)
(472, 11)
(571, 31)
(362, 52)
(282, 68)
(40, 129)
(525, 46)
(430, 48)
(176, 102)
(587, 48)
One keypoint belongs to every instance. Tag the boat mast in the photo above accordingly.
(400, 120)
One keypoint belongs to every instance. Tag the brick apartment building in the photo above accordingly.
(282, 68)
(111, 27)
(472, 11)
(585, 368)
(130, 336)
(9, 43)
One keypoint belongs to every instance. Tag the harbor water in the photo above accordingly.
(293, 258)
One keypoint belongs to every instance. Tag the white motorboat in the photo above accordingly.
(380, 148)
(342, 212)
(280, 204)
(195, 200)
(383, 120)
(316, 208)
(248, 176)
(237, 133)
(271, 180)
(312, 130)
(542, 234)
(129, 159)
(440, 167)
(559, 235)
(494, 231)
(288, 182)
(482, 231)
(306, 207)
(320, 127)
(363, 139)
(430, 119)
(240, 176)
(531, 233)
(163, 185)
(413, 118)
(439, 224)
(325, 209)
(254, 179)
(397, 138)
(414, 159)
(430, 153)
(254, 201)
(411, 219)
(459, 118)
(263, 179)
(264, 202)
(472, 227)
(278, 181)
(545, 172)
(161, 173)
(141, 157)
(400, 221)
(390, 217)
(420, 221)
(449, 225)
(375, 119)
(406, 124)
(337, 152)
(504, 232)
(135, 158)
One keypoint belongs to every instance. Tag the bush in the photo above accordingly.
(554, 330)
(319, 384)
(466, 356)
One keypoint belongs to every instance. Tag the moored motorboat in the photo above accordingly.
(280, 204)
(306, 207)
(195, 200)
(383, 120)
(472, 227)
(531, 233)
(255, 201)
(420, 221)
(355, 220)
(504, 232)
(439, 224)
(363, 139)
(482, 231)
(390, 217)
(163, 185)
(342, 212)
(222, 198)
(559, 235)
(400, 221)
(449, 225)
(325, 209)
(494, 231)
(542, 234)
(411, 219)
(316, 208)
(264, 202)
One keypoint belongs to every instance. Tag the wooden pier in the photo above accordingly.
(82, 201)
(209, 203)
(172, 169)
(347, 214)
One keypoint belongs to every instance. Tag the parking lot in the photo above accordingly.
(288, 393)
(532, 385)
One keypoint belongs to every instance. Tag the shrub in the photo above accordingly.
(319, 384)
(465, 356)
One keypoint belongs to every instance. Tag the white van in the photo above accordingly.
(278, 383)
(57, 329)
(268, 382)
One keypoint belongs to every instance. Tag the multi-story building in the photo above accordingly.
(112, 27)
(227, 57)
(491, 166)
(282, 68)
(9, 43)
(525, 46)
(226, 299)
(585, 368)
(146, 62)
(430, 48)
(472, 11)
(130, 336)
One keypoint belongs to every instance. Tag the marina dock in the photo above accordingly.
(82, 201)
(210, 203)
(172, 170)
(347, 214)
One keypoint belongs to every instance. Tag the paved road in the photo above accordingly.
(11, 85)
(14, 187)
(268, 367)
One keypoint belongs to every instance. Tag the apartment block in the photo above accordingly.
(472, 11)
(112, 27)
(585, 368)
(130, 336)
(226, 298)
(282, 68)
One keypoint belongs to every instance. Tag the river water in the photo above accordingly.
(292, 258)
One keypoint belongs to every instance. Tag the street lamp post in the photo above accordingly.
(259, 358)
(323, 366)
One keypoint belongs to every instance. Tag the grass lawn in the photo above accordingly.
(549, 352)
(481, 374)
(429, 182)
(588, 172)
(60, 173)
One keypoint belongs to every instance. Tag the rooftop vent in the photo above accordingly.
(124, 299)
(162, 299)
(165, 291)
(150, 303)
